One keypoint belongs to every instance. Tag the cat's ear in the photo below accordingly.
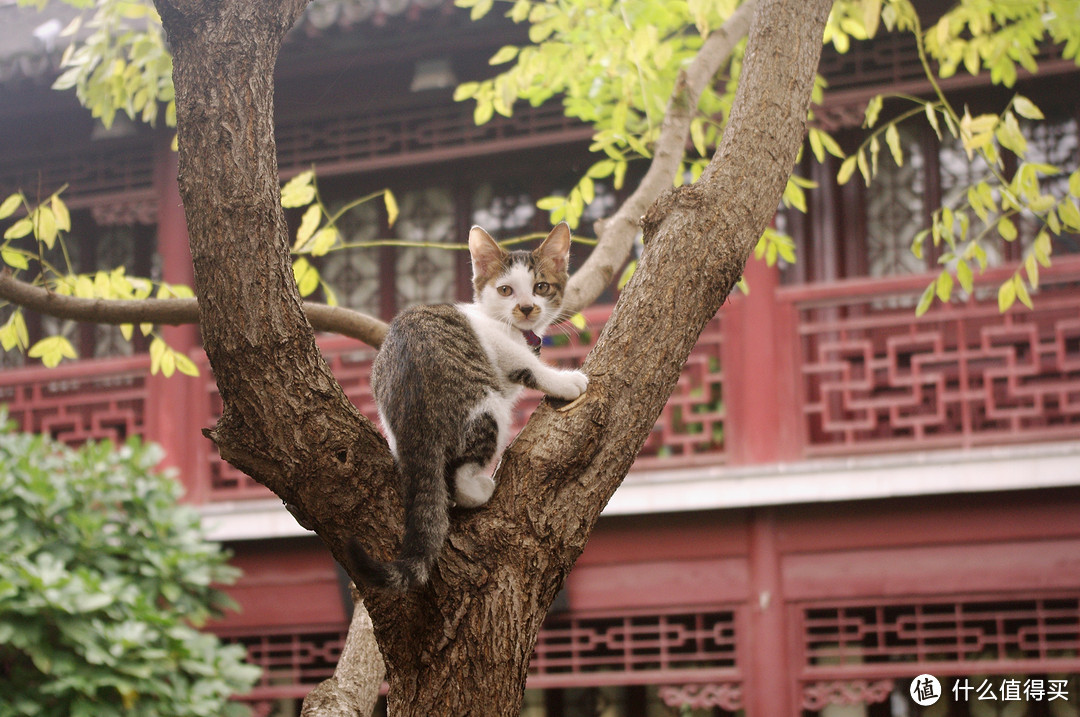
(556, 248)
(486, 254)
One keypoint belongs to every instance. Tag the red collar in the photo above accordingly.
(533, 341)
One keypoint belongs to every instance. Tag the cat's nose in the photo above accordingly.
(526, 310)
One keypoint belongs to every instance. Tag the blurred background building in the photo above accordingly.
(838, 496)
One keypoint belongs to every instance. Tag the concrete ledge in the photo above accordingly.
(1029, 466)
(1047, 465)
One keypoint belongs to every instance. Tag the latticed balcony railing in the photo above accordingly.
(870, 377)
(783, 374)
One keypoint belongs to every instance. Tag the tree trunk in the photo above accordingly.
(460, 645)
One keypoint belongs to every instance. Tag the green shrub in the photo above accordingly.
(104, 580)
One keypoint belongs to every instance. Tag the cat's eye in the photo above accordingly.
(504, 290)
(541, 287)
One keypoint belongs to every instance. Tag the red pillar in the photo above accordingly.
(768, 684)
(172, 418)
(761, 425)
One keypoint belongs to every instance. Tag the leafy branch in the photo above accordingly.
(989, 42)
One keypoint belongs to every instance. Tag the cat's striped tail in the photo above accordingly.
(426, 524)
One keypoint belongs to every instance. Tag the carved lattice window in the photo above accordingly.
(895, 211)
(503, 213)
(353, 272)
(426, 275)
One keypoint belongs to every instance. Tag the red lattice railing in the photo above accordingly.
(292, 660)
(948, 637)
(79, 402)
(689, 647)
(859, 652)
(872, 377)
(635, 648)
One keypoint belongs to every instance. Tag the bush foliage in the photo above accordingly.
(103, 584)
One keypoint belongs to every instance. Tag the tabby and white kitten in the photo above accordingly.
(445, 381)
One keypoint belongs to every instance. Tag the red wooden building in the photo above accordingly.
(837, 498)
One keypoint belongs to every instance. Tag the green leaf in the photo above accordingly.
(323, 241)
(1026, 108)
(84, 287)
(620, 174)
(628, 272)
(481, 8)
(815, 144)
(308, 224)
(976, 203)
(1009, 135)
(847, 168)
(578, 321)
(944, 286)
(520, 11)
(830, 145)
(15, 259)
(298, 191)
(873, 109)
(1021, 291)
(1042, 248)
(926, 299)
(1074, 183)
(549, 203)
(465, 90)
(8, 341)
(157, 350)
(794, 196)
(9, 205)
(504, 55)
(697, 136)
(588, 189)
(307, 276)
(19, 229)
(965, 276)
(1006, 229)
(13, 334)
(52, 350)
(60, 210)
(328, 292)
(20, 329)
(1069, 214)
(1006, 295)
(601, 169)
(892, 139)
(168, 362)
(931, 117)
(917, 243)
(864, 169)
(391, 207)
(185, 365)
(1031, 266)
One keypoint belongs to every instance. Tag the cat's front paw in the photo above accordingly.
(569, 385)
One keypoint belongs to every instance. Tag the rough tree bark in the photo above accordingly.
(461, 645)
(354, 688)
